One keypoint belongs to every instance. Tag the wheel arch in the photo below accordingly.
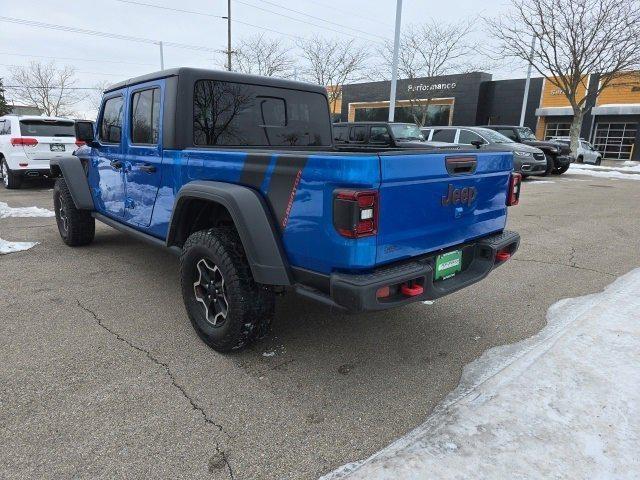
(75, 176)
(200, 204)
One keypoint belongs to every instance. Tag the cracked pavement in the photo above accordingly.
(103, 377)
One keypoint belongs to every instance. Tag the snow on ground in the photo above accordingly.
(6, 211)
(11, 247)
(625, 173)
(562, 404)
(532, 182)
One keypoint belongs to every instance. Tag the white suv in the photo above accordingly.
(28, 143)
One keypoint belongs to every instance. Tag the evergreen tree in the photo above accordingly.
(4, 107)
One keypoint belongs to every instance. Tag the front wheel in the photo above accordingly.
(551, 164)
(561, 170)
(9, 179)
(227, 308)
(76, 227)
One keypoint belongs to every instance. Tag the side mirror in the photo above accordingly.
(477, 143)
(85, 131)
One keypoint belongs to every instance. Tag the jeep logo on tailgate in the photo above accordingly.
(456, 196)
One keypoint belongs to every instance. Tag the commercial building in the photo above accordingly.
(611, 123)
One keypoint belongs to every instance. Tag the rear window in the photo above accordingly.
(47, 128)
(444, 135)
(235, 114)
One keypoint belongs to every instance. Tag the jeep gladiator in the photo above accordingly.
(238, 175)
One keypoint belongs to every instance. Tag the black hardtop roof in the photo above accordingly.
(451, 127)
(503, 126)
(207, 74)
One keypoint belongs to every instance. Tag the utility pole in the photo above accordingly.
(525, 97)
(394, 66)
(161, 55)
(229, 35)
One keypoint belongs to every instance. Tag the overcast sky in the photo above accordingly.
(98, 59)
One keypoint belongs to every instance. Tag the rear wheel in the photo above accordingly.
(9, 179)
(598, 161)
(227, 308)
(76, 227)
(580, 159)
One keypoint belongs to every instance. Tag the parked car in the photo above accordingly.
(28, 143)
(239, 176)
(558, 154)
(586, 152)
(380, 135)
(526, 160)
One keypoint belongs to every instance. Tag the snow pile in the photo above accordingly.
(562, 404)
(625, 173)
(6, 211)
(11, 247)
(533, 182)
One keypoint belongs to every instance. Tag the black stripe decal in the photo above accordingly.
(284, 183)
(255, 169)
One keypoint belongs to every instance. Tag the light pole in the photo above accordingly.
(229, 35)
(394, 65)
(525, 97)
(161, 55)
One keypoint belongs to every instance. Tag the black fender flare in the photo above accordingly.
(75, 176)
(252, 219)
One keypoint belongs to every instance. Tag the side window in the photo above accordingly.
(508, 132)
(358, 134)
(145, 116)
(467, 136)
(111, 123)
(2, 127)
(5, 127)
(447, 135)
(379, 134)
(426, 132)
(340, 134)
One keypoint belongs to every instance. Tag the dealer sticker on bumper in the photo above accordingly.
(448, 264)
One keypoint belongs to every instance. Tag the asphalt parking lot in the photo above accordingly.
(102, 375)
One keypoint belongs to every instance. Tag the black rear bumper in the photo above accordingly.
(358, 293)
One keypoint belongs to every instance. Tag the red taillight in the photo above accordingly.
(355, 212)
(80, 143)
(24, 141)
(513, 195)
(503, 256)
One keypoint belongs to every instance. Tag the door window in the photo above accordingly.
(340, 134)
(508, 132)
(447, 135)
(379, 134)
(467, 136)
(111, 123)
(145, 116)
(358, 134)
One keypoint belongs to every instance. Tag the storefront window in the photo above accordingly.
(556, 129)
(435, 114)
(615, 140)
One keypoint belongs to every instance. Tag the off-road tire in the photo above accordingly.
(76, 227)
(551, 165)
(561, 170)
(250, 305)
(12, 180)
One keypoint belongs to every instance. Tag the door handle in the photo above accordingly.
(147, 168)
(117, 164)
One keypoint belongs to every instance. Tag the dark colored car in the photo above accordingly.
(379, 135)
(558, 154)
(527, 160)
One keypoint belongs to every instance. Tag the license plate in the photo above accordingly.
(448, 264)
(57, 147)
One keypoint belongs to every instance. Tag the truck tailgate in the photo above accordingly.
(428, 204)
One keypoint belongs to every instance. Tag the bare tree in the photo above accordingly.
(332, 63)
(575, 38)
(95, 95)
(46, 86)
(259, 55)
(431, 49)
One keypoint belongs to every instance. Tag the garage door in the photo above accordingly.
(615, 140)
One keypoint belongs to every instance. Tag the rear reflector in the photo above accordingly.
(411, 290)
(513, 195)
(355, 212)
(503, 256)
(23, 164)
(24, 141)
(383, 292)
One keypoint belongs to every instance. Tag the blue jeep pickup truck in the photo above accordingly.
(238, 175)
